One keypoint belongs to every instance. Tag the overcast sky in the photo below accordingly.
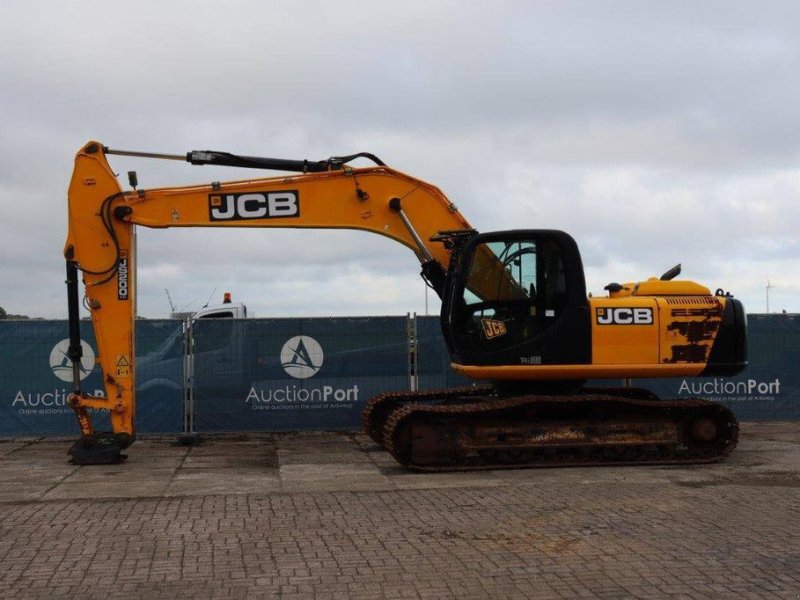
(653, 132)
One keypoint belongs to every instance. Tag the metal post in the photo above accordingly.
(413, 354)
(416, 354)
(188, 378)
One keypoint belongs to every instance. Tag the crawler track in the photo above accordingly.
(375, 413)
(470, 429)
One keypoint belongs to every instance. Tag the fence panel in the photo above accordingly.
(35, 379)
(159, 376)
(306, 374)
(294, 374)
(767, 390)
(433, 359)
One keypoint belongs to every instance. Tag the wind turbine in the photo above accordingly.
(769, 287)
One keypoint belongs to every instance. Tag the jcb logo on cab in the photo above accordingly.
(492, 328)
(624, 316)
(253, 205)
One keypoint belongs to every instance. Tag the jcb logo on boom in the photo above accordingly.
(624, 316)
(253, 205)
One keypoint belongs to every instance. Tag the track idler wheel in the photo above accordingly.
(704, 429)
(102, 448)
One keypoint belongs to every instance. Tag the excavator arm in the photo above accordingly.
(323, 194)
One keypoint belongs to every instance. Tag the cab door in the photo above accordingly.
(518, 298)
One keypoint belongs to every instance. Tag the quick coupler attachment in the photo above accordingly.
(101, 448)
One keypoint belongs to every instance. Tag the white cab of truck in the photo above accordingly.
(227, 310)
(165, 369)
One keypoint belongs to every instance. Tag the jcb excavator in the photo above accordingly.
(515, 315)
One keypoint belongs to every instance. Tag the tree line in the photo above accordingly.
(5, 315)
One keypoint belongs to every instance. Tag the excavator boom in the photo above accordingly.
(323, 194)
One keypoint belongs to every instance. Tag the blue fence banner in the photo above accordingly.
(294, 374)
(313, 374)
(36, 378)
(159, 376)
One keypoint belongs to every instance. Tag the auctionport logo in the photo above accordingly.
(62, 365)
(302, 356)
(720, 388)
(54, 401)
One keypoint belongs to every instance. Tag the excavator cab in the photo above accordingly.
(517, 298)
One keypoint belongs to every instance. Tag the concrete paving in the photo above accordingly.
(332, 515)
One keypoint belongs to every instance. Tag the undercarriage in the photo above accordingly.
(474, 428)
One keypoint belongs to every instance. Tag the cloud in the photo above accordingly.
(653, 132)
(633, 223)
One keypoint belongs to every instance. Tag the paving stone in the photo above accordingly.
(103, 489)
(345, 456)
(118, 474)
(9, 446)
(220, 521)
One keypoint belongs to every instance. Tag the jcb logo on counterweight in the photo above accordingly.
(253, 205)
(624, 316)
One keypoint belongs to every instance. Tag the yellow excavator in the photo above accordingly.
(515, 316)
